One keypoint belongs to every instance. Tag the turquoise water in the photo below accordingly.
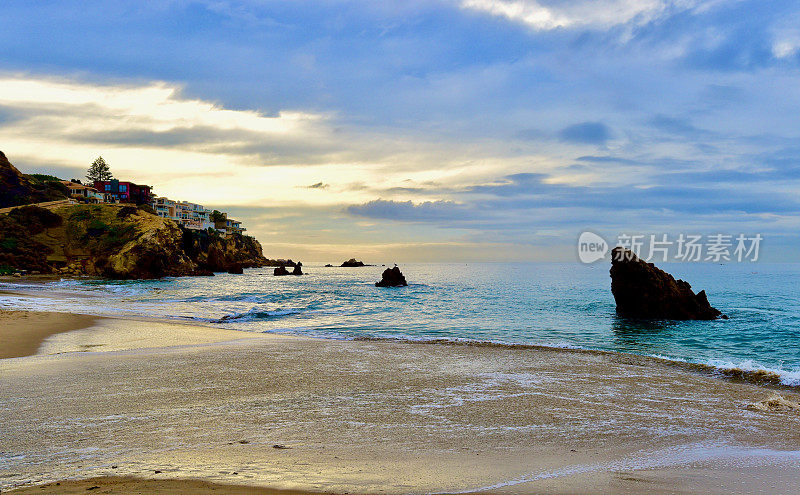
(565, 305)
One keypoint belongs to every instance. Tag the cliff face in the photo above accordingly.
(114, 241)
(17, 189)
(18, 248)
(214, 253)
(125, 242)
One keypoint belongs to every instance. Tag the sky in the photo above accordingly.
(452, 130)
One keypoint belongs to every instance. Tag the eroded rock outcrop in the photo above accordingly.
(642, 290)
(392, 277)
(216, 253)
(353, 263)
(121, 242)
(279, 262)
(280, 271)
(298, 269)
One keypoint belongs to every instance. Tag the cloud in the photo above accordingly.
(607, 159)
(472, 121)
(408, 211)
(318, 185)
(155, 115)
(677, 126)
(586, 133)
(597, 14)
(786, 47)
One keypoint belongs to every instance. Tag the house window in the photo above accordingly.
(108, 187)
(123, 188)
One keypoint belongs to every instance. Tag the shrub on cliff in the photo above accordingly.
(36, 219)
(18, 248)
(100, 229)
(147, 209)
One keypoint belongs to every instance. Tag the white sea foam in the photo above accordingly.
(787, 377)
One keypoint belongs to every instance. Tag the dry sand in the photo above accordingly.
(128, 399)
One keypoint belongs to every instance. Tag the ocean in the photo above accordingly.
(548, 304)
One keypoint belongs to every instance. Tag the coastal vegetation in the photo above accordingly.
(99, 170)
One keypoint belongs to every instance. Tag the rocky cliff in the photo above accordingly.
(214, 253)
(114, 241)
(117, 241)
(19, 189)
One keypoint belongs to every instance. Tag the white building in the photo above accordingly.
(193, 216)
(165, 207)
(189, 215)
(91, 194)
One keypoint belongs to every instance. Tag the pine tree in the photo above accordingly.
(99, 171)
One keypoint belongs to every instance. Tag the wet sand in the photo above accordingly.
(134, 486)
(708, 479)
(23, 332)
(129, 399)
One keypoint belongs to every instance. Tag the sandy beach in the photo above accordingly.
(22, 332)
(132, 486)
(127, 400)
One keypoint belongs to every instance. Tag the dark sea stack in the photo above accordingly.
(297, 269)
(352, 263)
(643, 291)
(278, 262)
(392, 277)
(235, 269)
(280, 271)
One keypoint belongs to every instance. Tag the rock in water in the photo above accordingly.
(353, 263)
(297, 269)
(281, 270)
(644, 291)
(392, 277)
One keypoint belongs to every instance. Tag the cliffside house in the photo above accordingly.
(90, 194)
(124, 192)
(189, 215)
(165, 207)
(194, 216)
(229, 226)
(233, 227)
